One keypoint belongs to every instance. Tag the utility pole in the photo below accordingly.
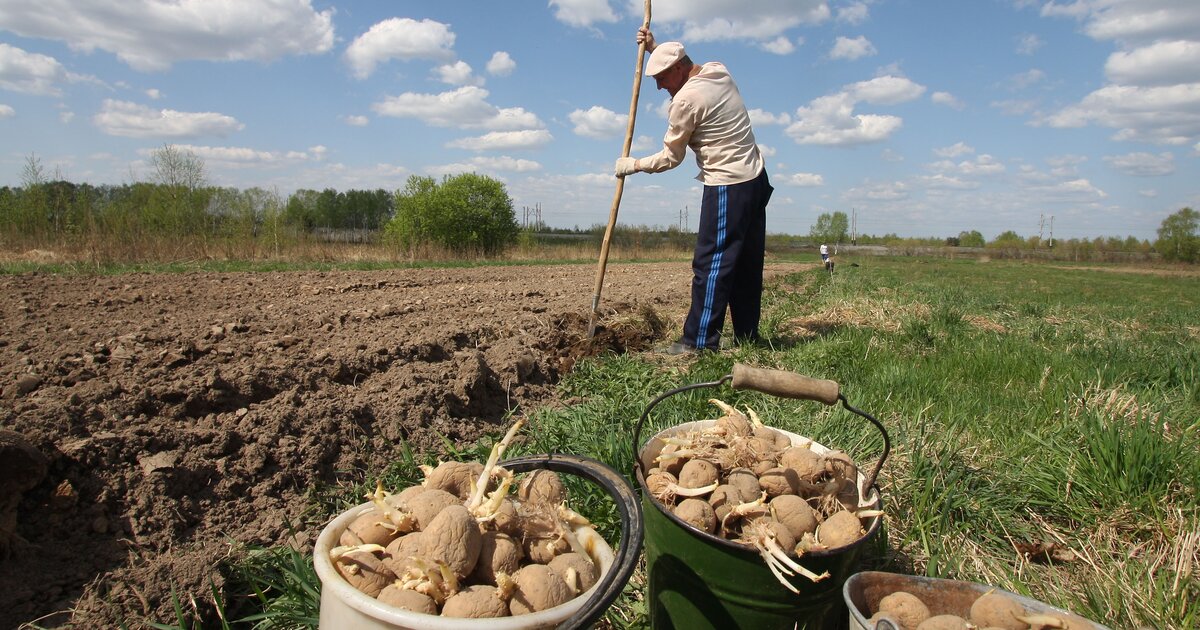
(1052, 231)
(1041, 224)
(854, 226)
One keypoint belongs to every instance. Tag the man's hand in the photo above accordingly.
(626, 166)
(644, 35)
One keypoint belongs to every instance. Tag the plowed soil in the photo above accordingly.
(175, 413)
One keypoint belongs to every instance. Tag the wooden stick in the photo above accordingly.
(616, 204)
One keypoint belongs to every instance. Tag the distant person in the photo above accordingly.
(707, 114)
(825, 254)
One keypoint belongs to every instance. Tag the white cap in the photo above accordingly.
(664, 56)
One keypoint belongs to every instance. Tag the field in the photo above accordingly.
(1044, 419)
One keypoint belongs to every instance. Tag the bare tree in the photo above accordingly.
(33, 174)
(174, 166)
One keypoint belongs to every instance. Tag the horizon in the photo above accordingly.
(918, 118)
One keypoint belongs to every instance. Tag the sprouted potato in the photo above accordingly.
(461, 545)
(747, 482)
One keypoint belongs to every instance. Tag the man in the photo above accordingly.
(707, 114)
(824, 253)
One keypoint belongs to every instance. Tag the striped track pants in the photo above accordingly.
(727, 268)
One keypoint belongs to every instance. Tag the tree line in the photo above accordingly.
(462, 213)
(1178, 238)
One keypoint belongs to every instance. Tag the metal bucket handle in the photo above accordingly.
(777, 383)
(632, 527)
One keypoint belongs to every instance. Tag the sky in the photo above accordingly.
(921, 118)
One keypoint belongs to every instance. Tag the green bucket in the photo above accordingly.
(698, 580)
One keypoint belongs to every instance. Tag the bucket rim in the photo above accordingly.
(854, 583)
(351, 597)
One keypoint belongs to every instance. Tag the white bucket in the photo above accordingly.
(344, 607)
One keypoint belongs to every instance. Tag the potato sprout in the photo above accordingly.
(473, 541)
(764, 489)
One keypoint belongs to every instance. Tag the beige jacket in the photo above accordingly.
(708, 115)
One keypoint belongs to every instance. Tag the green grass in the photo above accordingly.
(1026, 404)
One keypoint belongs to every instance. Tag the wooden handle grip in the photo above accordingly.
(785, 384)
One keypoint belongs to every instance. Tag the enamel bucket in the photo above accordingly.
(700, 581)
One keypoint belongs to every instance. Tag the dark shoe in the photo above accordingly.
(677, 349)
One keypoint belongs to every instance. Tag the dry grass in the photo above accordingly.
(985, 323)
(862, 312)
(1115, 403)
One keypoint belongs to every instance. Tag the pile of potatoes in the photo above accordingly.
(990, 611)
(462, 545)
(747, 482)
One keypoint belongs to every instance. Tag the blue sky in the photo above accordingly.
(917, 117)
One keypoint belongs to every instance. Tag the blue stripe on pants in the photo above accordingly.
(710, 288)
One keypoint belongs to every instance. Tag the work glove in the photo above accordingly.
(626, 166)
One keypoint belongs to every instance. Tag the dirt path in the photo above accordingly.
(176, 412)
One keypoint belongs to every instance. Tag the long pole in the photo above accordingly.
(616, 204)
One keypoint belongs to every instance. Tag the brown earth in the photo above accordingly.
(179, 414)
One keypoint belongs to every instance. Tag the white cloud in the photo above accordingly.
(1143, 164)
(583, 13)
(31, 73)
(983, 164)
(1154, 94)
(466, 107)
(854, 13)
(1161, 63)
(504, 140)
(759, 118)
(1132, 20)
(1026, 79)
(1148, 193)
(779, 46)
(598, 122)
(1165, 114)
(942, 181)
(457, 73)
(501, 64)
(122, 118)
(766, 151)
(947, 99)
(886, 90)
(6, 111)
(1028, 44)
(66, 117)
(721, 20)
(1071, 190)
(804, 180)
(955, 150)
(150, 35)
(830, 120)
(645, 143)
(846, 48)
(356, 120)
(154, 93)
(884, 191)
(224, 157)
(483, 164)
(399, 38)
